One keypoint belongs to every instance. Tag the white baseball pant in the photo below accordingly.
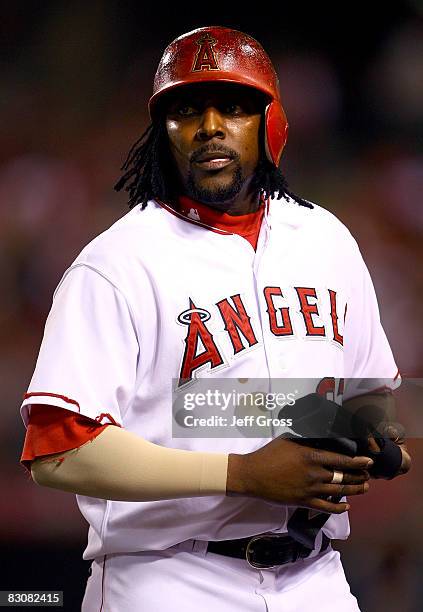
(187, 578)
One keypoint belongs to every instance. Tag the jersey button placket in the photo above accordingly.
(262, 247)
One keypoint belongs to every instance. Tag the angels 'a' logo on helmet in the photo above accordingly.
(205, 58)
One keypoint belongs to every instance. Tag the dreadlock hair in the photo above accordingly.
(148, 172)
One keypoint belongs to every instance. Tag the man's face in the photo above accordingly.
(213, 133)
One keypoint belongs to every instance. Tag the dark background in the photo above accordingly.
(75, 80)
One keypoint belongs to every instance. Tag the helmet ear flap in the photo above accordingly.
(276, 131)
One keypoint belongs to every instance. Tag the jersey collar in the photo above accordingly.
(220, 222)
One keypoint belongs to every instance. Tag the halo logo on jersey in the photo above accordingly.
(205, 58)
(200, 347)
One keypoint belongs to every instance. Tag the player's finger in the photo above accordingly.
(373, 445)
(341, 462)
(341, 489)
(356, 477)
(323, 505)
(406, 461)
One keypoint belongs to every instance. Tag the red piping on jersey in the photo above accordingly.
(105, 415)
(62, 397)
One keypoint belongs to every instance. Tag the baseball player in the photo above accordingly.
(217, 272)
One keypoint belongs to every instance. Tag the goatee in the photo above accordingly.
(218, 194)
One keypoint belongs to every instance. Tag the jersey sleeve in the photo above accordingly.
(88, 357)
(369, 362)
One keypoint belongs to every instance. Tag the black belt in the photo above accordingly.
(265, 550)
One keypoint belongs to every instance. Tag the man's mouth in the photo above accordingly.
(213, 161)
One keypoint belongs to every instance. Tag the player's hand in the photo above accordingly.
(296, 475)
(396, 433)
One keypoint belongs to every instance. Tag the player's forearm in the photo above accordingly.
(119, 465)
(373, 408)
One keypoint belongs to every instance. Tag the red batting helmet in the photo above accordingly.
(220, 54)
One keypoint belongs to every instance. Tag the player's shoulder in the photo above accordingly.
(314, 220)
(135, 231)
(113, 252)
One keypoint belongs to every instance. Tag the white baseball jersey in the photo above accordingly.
(159, 296)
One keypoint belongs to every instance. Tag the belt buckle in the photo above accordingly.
(249, 552)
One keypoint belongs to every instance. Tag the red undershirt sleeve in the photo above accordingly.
(55, 430)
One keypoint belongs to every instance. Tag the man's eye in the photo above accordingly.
(186, 110)
(233, 109)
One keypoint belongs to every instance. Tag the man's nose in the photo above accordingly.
(211, 124)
